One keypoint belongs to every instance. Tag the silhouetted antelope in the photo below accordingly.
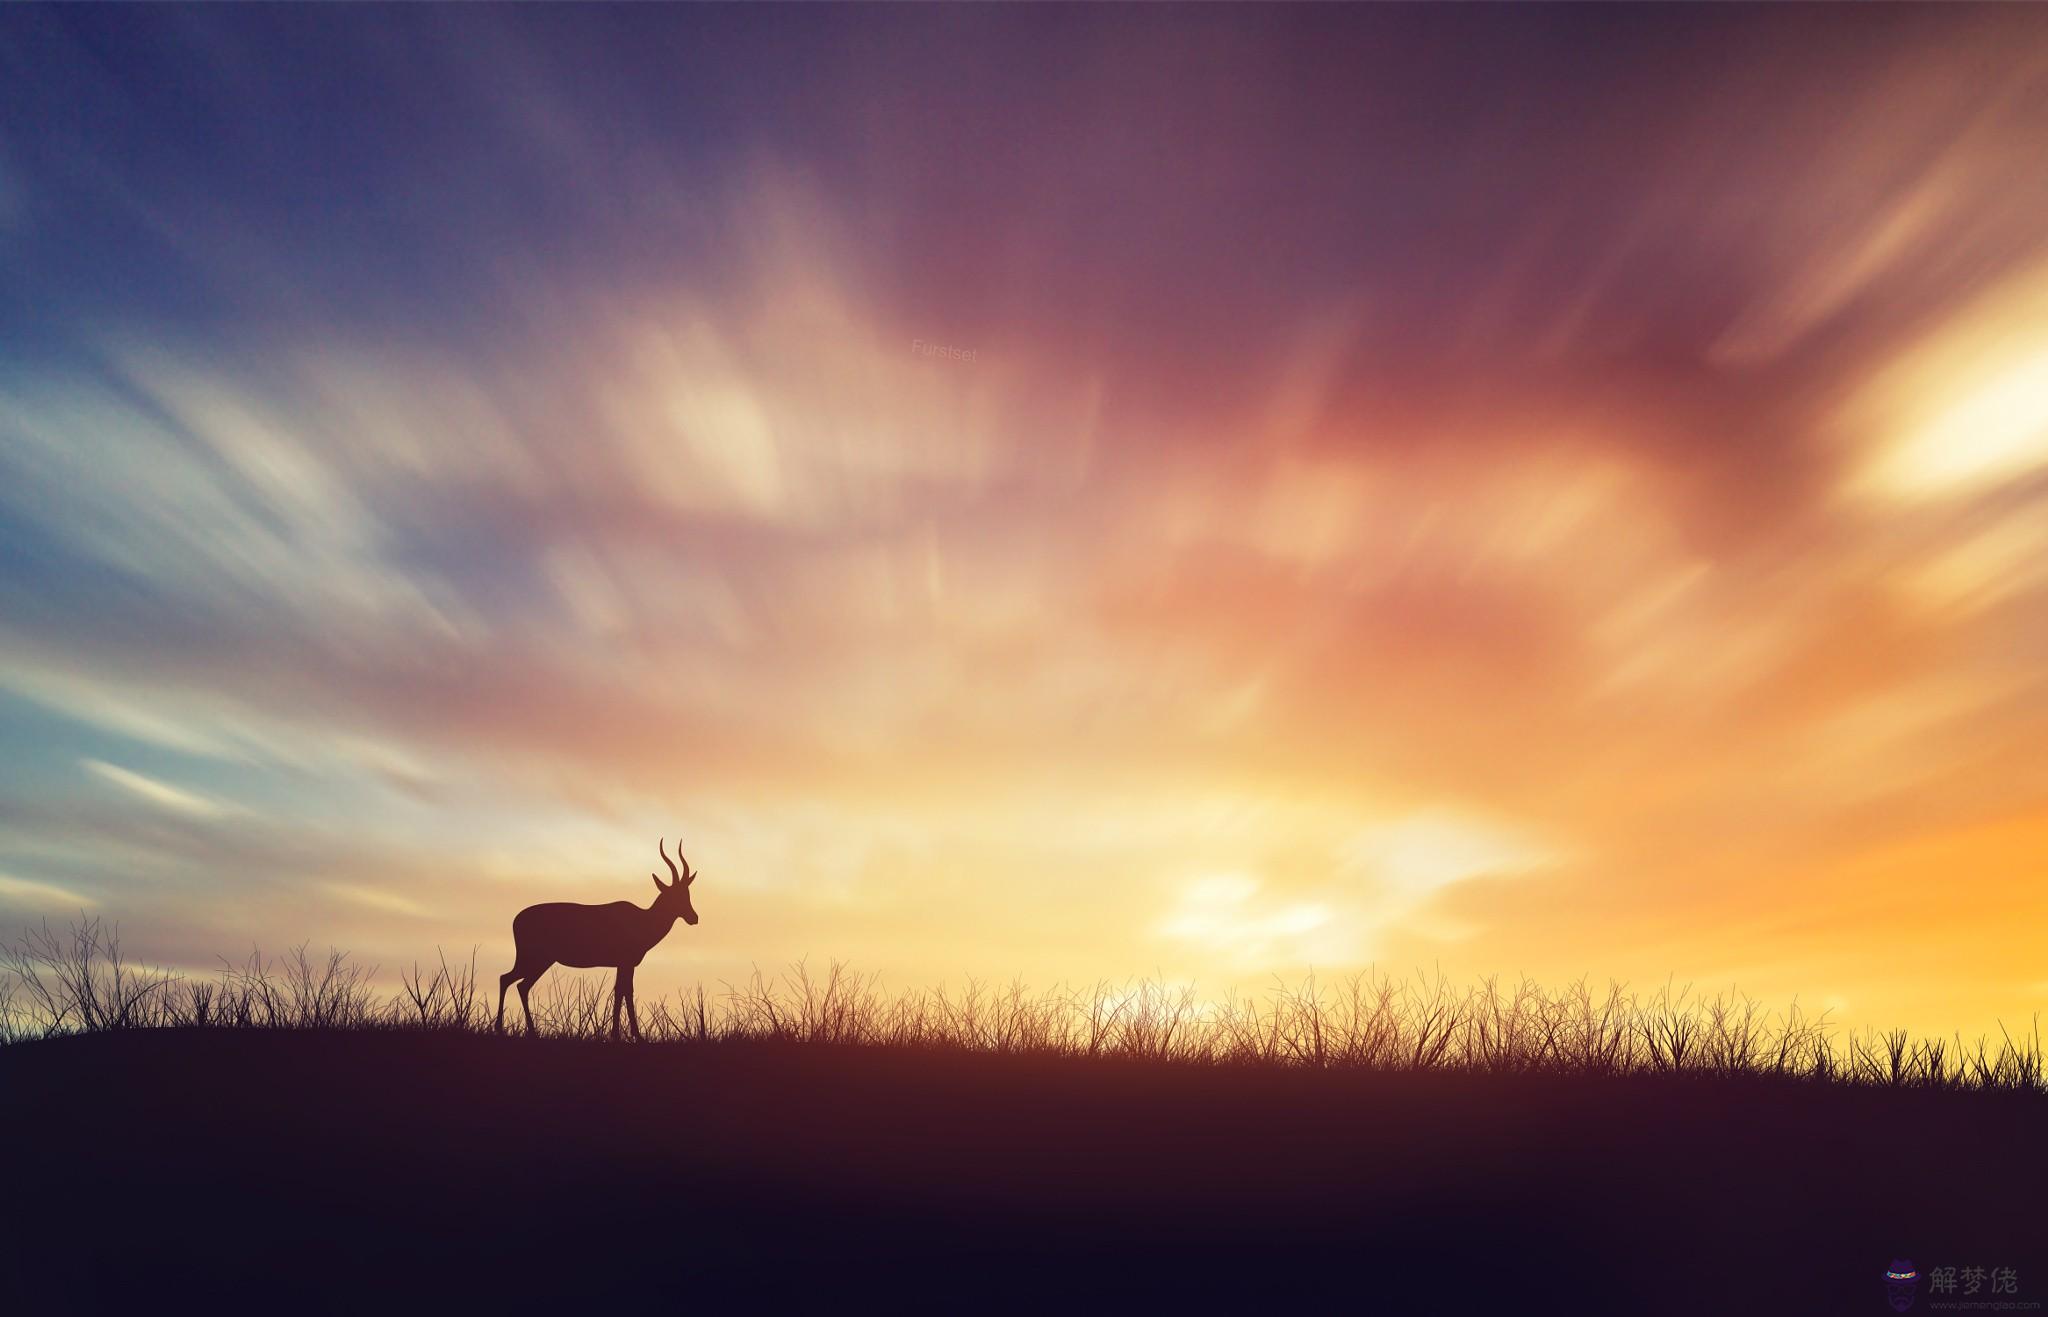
(617, 936)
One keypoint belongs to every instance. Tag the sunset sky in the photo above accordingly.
(1545, 491)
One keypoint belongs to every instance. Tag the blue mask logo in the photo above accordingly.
(1901, 1284)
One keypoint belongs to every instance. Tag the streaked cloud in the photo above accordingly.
(1967, 408)
(42, 896)
(155, 792)
(376, 899)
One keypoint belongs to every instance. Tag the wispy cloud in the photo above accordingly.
(158, 793)
(377, 899)
(42, 896)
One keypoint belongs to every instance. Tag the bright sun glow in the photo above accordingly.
(1967, 409)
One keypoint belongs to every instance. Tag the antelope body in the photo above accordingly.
(614, 936)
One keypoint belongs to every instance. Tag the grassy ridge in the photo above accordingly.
(77, 981)
(406, 1170)
(283, 1136)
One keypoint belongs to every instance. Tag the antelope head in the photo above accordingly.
(674, 900)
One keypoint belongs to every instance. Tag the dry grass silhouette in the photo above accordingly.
(78, 981)
(1405, 1145)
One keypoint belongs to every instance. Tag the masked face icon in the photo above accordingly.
(1901, 1284)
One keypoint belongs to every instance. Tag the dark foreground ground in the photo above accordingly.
(279, 1172)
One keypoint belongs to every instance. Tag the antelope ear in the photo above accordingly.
(658, 885)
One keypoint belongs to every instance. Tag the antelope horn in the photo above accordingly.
(662, 846)
(689, 874)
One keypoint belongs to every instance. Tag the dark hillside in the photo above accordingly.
(353, 1171)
